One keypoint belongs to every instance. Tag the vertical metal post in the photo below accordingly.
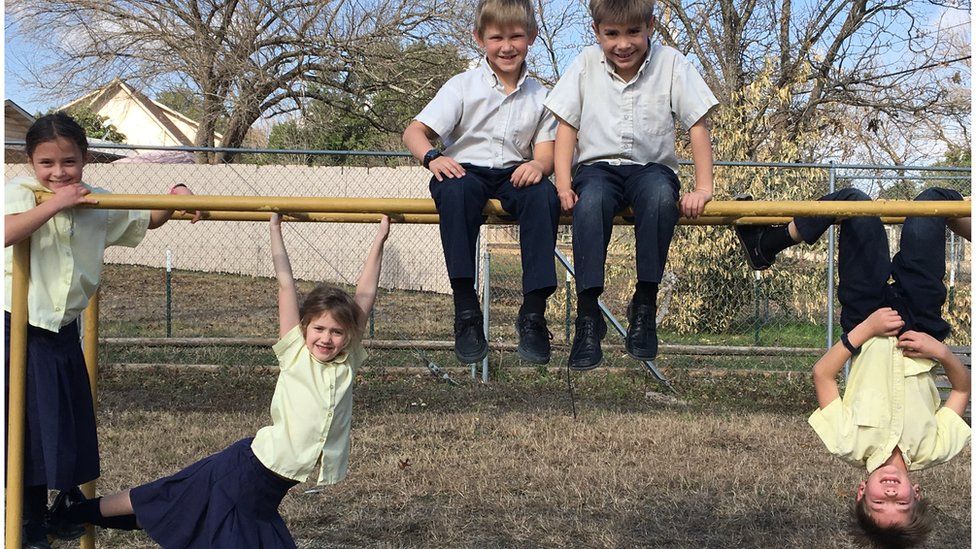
(169, 293)
(16, 398)
(755, 291)
(477, 272)
(90, 348)
(569, 306)
(952, 270)
(831, 235)
(486, 307)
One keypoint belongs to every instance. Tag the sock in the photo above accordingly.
(85, 512)
(35, 507)
(775, 240)
(586, 302)
(465, 297)
(121, 522)
(535, 301)
(645, 293)
(90, 512)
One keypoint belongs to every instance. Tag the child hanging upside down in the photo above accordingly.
(889, 420)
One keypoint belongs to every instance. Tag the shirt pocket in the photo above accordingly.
(869, 410)
(655, 114)
(526, 120)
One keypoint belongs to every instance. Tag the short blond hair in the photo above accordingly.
(504, 13)
(621, 11)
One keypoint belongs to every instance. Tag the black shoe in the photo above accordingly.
(586, 353)
(749, 237)
(641, 340)
(57, 526)
(469, 336)
(41, 543)
(534, 338)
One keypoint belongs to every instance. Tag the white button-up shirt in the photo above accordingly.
(481, 125)
(630, 122)
(67, 253)
(311, 412)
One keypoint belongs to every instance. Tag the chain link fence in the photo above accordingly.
(714, 312)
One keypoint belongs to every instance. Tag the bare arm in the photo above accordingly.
(369, 279)
(921, 345)
(883, 322)
(18, 226)
(419, 139)
(288, 316)
(565, 147)
(694, 202)
(158, 218)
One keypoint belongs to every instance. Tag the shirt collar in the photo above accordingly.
(492, 79)
(608, 66)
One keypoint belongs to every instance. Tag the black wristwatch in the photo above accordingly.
(850, 346)
(430, 156)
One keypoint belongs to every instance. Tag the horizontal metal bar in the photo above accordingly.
(904, 177)
(442, 345)
(733, 208)
(433, 219)
(401, 154)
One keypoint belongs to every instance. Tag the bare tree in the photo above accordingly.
(245, 58)
(828, 63)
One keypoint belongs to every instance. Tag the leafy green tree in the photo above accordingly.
(94, 124)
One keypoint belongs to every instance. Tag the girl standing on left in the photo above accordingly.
(67, 254)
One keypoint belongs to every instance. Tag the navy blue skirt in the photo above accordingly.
(61, 447)
(227, 500)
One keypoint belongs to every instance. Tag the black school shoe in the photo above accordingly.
(469, 336)
(586, 353)
(57, 527)
(749, 237)
(641, 340)
(534, 338)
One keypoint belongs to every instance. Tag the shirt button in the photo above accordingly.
(57, 308)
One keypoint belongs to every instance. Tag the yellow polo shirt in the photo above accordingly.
(311, 412)
(890, 400)
(67, 253)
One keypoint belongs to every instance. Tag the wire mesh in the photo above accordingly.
(714, 312)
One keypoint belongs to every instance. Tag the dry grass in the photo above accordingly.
(506, 465)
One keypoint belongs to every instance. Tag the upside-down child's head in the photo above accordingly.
(505, 29)
(330, 320)
(623, 29)
(56, 149)
(889, 509)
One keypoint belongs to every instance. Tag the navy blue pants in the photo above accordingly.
(460, 202)
(61, 449)
(917, 291)
(603, 191)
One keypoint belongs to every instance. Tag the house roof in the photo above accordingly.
(163, 114)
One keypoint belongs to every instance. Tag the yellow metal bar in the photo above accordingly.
(432, 219)
(90, 348)
(16, 398)
(735, 208)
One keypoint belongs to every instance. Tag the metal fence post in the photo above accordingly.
(477, 276)
(486, 300)
(832, 182)
(169, 293)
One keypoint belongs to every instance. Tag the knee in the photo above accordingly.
(453, 191)
(541, 193)
(938, 193)
(851, 194)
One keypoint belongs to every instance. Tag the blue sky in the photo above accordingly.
(19, 57)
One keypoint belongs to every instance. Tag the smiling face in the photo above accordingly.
(889, 496)
(325, 337)
(624, 45)
(505, 48)
(57, 163)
